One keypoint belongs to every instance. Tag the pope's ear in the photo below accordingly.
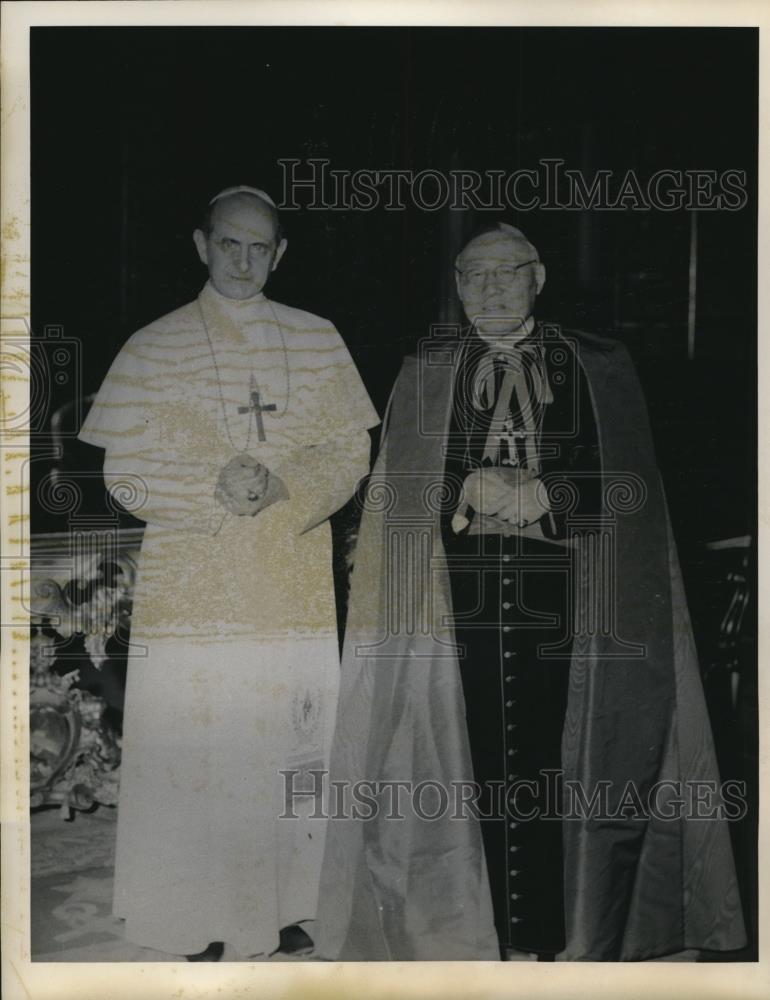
(539, 276)
(279, 253)
(201, 245)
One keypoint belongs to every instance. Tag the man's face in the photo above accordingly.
(498, 293)
(241, 250)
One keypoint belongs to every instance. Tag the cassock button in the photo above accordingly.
(508, 654)
(511, 777)
(515, 920)
(510, 726)
(511, 753)
(506, 605)
(506, 628)
(509, 704)
(506, 559)
(513, 872)
(515, 895)
(513, 824)
(506, 580)
(509, 678)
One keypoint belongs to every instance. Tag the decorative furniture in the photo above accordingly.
(81, 586)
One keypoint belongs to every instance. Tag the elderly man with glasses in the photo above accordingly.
(519, 650)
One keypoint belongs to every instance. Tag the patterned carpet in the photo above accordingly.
(72, 867)
(72, 864)
(60, 846)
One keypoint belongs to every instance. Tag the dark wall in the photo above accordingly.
(134, 129)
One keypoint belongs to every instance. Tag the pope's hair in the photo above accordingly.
(206, 225)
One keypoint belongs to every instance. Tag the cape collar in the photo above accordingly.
(210, 294)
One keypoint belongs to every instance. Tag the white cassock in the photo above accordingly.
(234, 664)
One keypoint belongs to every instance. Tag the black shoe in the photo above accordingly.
(294, 941)
(212, 954)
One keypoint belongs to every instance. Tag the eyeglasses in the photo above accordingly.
(504, 274)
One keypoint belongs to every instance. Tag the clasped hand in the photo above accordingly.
(242, 486)
(513, 495)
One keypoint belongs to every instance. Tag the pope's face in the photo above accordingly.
(241, 250)
(498, 282)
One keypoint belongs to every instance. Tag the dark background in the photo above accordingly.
(133, 130)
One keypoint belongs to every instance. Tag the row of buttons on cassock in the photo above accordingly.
(510, 726)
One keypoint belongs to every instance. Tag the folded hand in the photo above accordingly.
(242, 485)
(514, 495)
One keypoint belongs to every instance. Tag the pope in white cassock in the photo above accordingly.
(233, 427)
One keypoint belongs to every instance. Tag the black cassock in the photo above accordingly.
(637, 884)
(512, 602)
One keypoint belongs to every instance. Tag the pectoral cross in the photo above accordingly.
(509, 439)
(256, 406)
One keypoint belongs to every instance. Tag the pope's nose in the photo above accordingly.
(243, 259)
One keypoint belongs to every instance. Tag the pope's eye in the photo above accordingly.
(259, 248)
(227, 244)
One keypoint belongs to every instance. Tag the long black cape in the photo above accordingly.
(416, 888)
